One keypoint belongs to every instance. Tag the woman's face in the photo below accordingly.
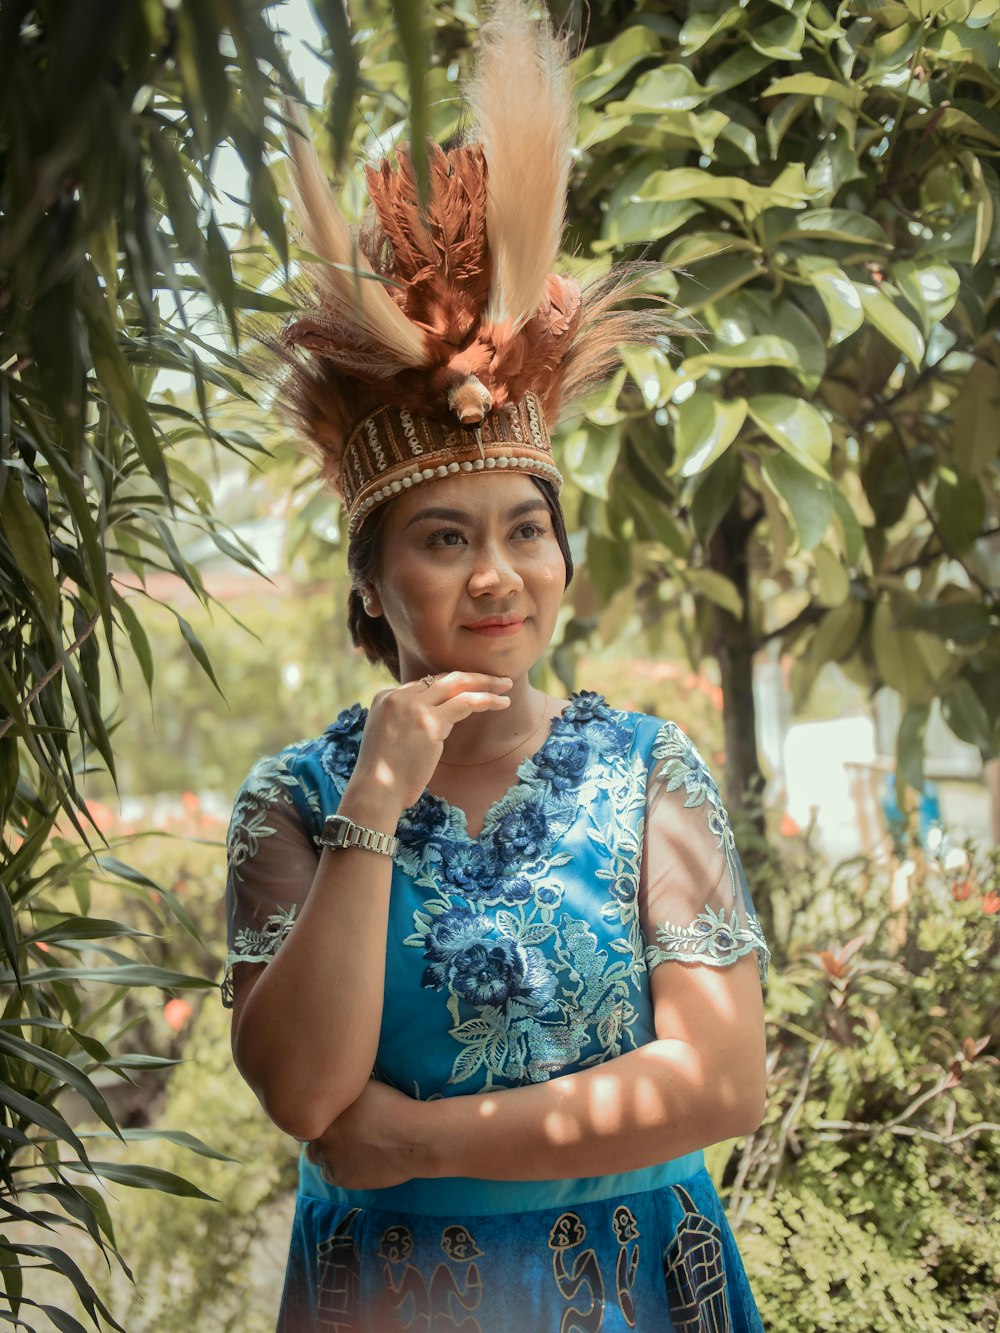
(471, 576)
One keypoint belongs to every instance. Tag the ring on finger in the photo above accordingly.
(429, 680)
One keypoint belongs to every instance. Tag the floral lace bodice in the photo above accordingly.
(524, 952)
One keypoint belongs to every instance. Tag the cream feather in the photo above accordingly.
(358, 295)
(521, 97)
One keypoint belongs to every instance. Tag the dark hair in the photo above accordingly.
(364, 562)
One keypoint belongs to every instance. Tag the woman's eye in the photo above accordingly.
(445, 537)
(531, 531)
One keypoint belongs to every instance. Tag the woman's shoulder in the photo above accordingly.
(643, 730)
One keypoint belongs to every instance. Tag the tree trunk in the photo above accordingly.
(735, 646)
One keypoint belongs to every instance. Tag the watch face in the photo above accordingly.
(335, 831)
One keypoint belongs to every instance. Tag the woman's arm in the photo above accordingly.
(306, 1026)
(702, 1080)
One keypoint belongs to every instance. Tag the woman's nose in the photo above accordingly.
(494, 572)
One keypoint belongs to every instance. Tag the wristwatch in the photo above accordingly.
(339, 831)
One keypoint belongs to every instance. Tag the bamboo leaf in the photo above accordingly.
(198, 650)
(59, 1069)
(147, 1178)
(35, 1113)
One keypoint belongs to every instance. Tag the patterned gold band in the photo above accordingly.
(392, 449)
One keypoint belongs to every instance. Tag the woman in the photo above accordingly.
(492, 957)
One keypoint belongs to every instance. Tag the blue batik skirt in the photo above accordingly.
(655, 1260)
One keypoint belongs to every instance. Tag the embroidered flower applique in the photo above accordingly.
(468, 957)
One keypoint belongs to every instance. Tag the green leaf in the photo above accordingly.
(652, 372)
(807, 498)
(197, 650)
(763, 349)
(961, 508)
(965, 714)
(796, 426)
(839, 296)
(814, 85)
(930, 287)
(62, 1071)
(650, 515)
(713, 279)
(117, 381)
(126, 974)
(9, 934)
(643, 220)
(837, 224)
(665, 88)
(29, 540)
(975, 432)
(181, 1138)
(590, 453)
(717, 588)
(410, 22)
(26, 1108)
(781, 39)
(68, 1267)
(736, 69)
(717, 488)
(701, 25)
(781, 120)
(910, 747)
(851, 531)
(137, 637)
(832, 577)
(899, 660)
(706, 427)
(833, 641)
(891, 322)
(598, 69)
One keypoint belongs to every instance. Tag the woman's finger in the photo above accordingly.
(459, 706)
(453, 682)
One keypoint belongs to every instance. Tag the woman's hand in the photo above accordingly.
(407, 727)
(374, 1143)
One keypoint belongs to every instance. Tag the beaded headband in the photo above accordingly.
(438, 340)
(392, 450)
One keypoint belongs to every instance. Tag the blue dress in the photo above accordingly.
(512, 958)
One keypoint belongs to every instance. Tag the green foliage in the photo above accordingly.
(111, 241)
(824, 182)
(220, 1264)
(867, 1199)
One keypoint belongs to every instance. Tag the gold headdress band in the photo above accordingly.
(439, 340)
(392, 450)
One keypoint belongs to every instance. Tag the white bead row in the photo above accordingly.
(446, 469)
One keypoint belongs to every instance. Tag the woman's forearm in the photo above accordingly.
(656, 1103)
(304, 1067)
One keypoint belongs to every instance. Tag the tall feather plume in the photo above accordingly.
(355, 297)
(521, 97)
(595, 351)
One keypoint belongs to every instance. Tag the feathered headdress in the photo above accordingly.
(440, 339)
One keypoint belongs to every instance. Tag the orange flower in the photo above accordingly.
(991, 903)
(961, 889)
(788, 827)
(176, 1013)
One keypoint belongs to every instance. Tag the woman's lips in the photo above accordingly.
(496, 629)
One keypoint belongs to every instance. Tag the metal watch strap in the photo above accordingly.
(339, 831)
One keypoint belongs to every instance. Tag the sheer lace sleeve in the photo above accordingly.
(272, 860)
(694, 903)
